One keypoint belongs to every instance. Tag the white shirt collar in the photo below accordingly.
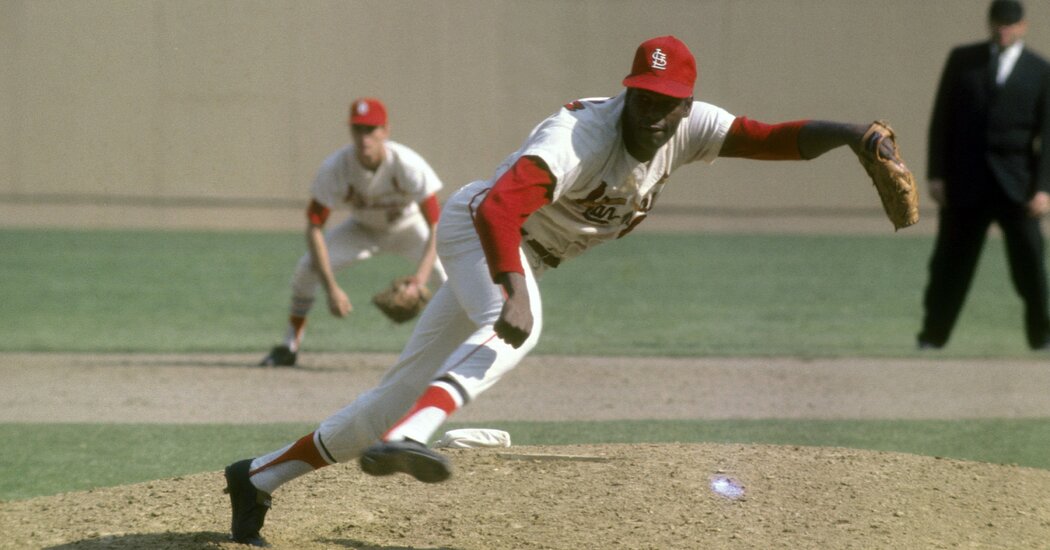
(1007, 60)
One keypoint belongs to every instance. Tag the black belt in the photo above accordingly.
(545, 255)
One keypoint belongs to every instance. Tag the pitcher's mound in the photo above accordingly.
(582, 496)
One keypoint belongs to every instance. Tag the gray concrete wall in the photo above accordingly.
(146, 110)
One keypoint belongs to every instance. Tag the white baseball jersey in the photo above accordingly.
(379, 198)
(601, 191)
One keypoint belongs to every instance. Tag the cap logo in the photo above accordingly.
(362, 107)
(659, 60)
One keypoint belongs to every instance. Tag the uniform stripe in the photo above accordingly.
(455, 385)
(327, 454)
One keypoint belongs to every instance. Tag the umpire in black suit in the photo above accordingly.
(988, 162)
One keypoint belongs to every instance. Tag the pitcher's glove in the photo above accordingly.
(400, 305)
(894, 182)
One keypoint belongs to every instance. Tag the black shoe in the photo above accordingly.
(249, 505)
(280, 356)
(410, 457)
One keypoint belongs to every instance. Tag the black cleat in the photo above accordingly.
(280, 356)
(249, 505)
(410, 457)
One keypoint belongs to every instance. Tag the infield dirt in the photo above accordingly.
(600, 496)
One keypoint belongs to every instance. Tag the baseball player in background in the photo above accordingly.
(390, 190)
(588, 174)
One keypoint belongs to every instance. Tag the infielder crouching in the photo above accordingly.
(390, 190)
(588, 174)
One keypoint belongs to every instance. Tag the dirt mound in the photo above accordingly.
(572, 497)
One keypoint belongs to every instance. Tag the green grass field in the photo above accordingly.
(678, 295)
(50, 459)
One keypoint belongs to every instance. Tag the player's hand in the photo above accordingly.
(339, 302)
(1039, 205)
(412, 288)
(877, 140)
(515, 319)
(515, 322)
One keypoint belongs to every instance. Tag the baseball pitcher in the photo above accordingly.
(588, 174)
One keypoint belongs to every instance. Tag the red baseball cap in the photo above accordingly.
(368, 111)
(663, 65)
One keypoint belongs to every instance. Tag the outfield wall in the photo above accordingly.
(218, 112)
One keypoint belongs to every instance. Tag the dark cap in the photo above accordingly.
(1005, 12)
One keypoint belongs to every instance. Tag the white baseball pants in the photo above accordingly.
(453, 339)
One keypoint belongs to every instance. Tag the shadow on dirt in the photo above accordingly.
(361, 545)
(207, 540)
(196, 362)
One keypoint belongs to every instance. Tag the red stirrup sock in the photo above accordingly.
(436, 404)
(279, 467)
(294, 335)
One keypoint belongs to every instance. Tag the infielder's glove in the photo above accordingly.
(893, 180)
(398, 304)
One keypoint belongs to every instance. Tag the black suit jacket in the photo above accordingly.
(983, 136)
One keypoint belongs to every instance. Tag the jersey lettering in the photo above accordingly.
(598, 198)
(632, 222)
(601, 214)
(600, 208)
(639, 215)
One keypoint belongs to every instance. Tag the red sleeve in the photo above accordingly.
(317, 213)
(431, 210)
(520, 191)
(755, 140)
